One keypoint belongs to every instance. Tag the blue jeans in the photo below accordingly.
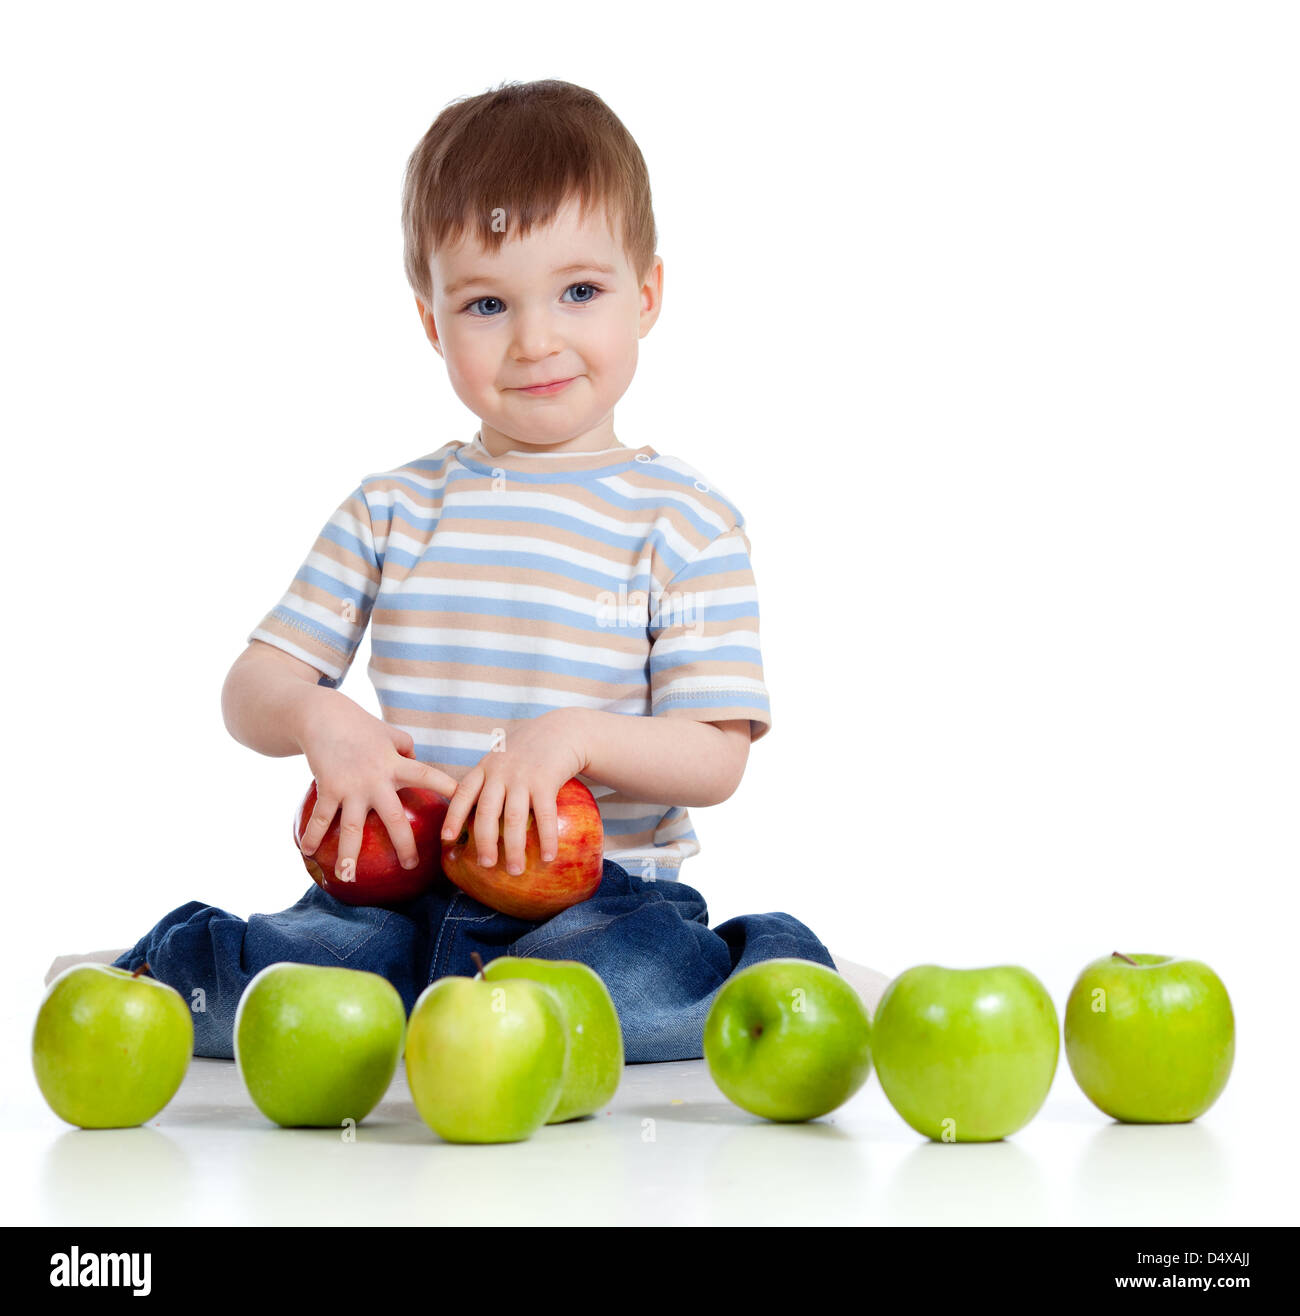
(649, 941)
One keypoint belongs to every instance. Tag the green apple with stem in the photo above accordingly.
(317, 1045)
(486, 1061)
(966, 1055)
(1150, 1038)
(788, 1039)
(110, 1047)
(595, 1036)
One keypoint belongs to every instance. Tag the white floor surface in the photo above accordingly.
(670, 1150)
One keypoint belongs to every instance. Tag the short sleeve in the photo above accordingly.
(705, 662)
(323, 614)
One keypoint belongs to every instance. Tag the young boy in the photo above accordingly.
(544, 603)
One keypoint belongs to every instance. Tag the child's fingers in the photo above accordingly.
(514, 830)
(402, 742)
(318, 824)
(415, 773)
(393, 816)
(462, 801)
(487, 822)
(352, 824)
(548, 824)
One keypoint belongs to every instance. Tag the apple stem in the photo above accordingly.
(1119, 955)
(478, 961)
(142, 969)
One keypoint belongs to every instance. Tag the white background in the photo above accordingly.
(984, 314)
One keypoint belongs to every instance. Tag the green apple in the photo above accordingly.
(486, 1060)
(966, 1055)
(788, 1039)
(110, 1047)
(317, 1045)
(595, 1037)
(1150, 1038)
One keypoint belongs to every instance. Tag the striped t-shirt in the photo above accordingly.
(499, 588)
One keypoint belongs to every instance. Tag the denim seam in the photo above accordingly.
(351, 947)
(455, 932)
(559, 936)
(452, 935)
(442, 928)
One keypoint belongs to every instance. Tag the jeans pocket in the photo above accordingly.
(341, 929)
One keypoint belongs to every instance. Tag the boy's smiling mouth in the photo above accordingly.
(542, 390)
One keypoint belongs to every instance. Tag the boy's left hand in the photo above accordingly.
(523, 773)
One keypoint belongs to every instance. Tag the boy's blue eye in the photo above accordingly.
(488, 307)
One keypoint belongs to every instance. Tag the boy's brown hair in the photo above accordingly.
(522, 151)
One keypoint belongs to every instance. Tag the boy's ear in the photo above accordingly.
(652, 295)
(430, 329)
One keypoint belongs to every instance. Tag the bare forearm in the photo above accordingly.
(662, 760)
(266, 706)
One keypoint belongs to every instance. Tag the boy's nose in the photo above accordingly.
(536, 336)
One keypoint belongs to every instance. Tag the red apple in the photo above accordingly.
(379, 878)
(541, 890)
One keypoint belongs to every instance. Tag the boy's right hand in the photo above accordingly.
(360, 763)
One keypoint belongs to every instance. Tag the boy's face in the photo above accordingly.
(562, 307)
